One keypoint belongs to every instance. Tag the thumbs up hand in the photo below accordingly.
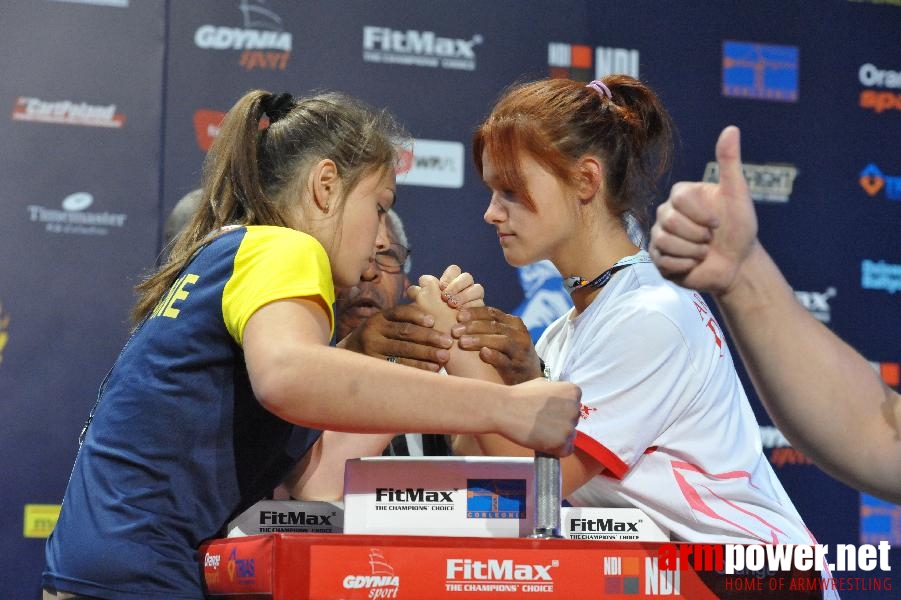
(705, 231)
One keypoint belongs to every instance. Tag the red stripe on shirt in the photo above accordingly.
(610, 461)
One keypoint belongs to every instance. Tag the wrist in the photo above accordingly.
(752, 283)
(743, 273)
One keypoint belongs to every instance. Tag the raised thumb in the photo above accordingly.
(728, 158)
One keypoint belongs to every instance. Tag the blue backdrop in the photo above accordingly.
(113, 103)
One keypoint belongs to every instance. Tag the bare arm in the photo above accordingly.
(462, 363)
(296, 376)
(405, 332)
(822, 394)
(320, 474)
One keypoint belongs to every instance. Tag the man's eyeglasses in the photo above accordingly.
(392, 258)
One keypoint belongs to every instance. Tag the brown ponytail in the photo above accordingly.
(252, 171)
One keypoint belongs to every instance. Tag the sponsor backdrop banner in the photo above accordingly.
(112, 104)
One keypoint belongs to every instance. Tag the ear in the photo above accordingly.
(324, 184)
(589, 177)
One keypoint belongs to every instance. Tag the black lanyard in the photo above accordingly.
(575, 282)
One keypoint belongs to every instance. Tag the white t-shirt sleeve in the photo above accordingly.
(635, 372)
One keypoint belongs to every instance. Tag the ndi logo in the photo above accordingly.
(574, 61)
(496, 499)
(760, 71)
(621, 575)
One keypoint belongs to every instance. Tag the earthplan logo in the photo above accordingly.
(262, 41)
(575, 61)
(760, 71)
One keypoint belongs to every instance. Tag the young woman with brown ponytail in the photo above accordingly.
(228, 376)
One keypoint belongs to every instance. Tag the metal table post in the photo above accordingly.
(548, 492)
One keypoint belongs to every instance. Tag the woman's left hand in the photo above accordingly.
(459, 289)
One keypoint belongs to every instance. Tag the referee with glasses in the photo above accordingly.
(370, 317)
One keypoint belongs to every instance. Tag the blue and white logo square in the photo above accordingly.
(496, 499)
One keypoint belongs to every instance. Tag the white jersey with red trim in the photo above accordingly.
(665, 413)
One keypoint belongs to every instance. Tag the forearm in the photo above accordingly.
(576, 469)
(467, 363)
(320, 475)
(823, 395)
(330, 388)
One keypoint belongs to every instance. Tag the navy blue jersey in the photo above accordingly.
(177, 444)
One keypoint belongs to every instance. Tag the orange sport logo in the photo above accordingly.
(883, 88)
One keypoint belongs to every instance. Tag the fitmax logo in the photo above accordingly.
(419, 48)
(602, 525)
(412, 495)
(294, 518)
(497, 570)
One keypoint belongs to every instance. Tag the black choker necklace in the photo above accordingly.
(575, 282)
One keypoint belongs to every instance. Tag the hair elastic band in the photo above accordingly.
(601, 89)
(276, 106)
